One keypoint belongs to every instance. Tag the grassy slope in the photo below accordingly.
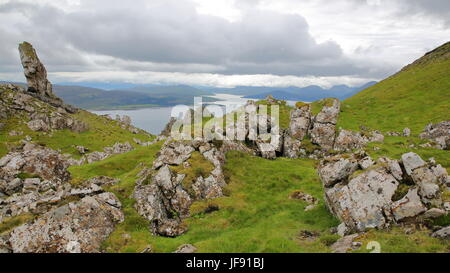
(256, 215)
(414, 97)
(102, 132)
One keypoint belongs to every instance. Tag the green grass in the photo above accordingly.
(396, 240)
(411, 98)
(200, 166)
(395, 147)
(255, 216)
(102, 132)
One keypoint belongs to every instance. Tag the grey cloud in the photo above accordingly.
(171, 33)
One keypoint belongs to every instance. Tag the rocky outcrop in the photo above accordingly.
(438, 133)
(36, 160)
(36, 74)
(165, 193)
(35, 181)
(40, 116)
(323, 131)
(371, 197)
(315, 136)
(126, 124)
(34, 71)
(118, 148)
(78, 227)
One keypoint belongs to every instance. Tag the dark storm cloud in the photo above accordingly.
(438, 9)
(172, 32)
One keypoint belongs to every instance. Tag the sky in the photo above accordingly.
(223, 43)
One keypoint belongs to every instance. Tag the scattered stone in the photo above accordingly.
(187, 248)
(408, 207)
(407, 132)
(434, 213)
(439, 133)
(412, 161)
(308, 235)
(345, 244)
(336, 169)
(442, 233)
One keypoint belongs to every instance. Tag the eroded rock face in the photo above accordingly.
(34, 71)
(365, 199)
(77, 227)
(36, 74)
(363, 202)
(36, 160)
(348, 140)
(163, 196)
(336, 169)
(300, 122)
(439, 133)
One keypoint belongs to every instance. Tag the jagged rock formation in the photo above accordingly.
(375, 195)
(78, 227)
(36, 74)
(438, 133)
(16, 102)
(165, 193)
(125, 123)
(34, 71)
(35, 181)
(314, 136)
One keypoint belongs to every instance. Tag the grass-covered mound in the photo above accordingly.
(414, 97)
(102, 132)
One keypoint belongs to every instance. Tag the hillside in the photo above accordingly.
(133, 98)
(414, 97)
(308, 93)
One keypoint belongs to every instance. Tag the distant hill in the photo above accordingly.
(135, 97)
(311, 93)
(414, 97)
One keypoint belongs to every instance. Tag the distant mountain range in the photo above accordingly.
(131, 96)
(309, 93)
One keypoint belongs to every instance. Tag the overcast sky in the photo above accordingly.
(221, 42)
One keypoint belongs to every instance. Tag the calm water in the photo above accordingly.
(153, 120)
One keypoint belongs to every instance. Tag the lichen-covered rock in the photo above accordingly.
(187, 248)
(364, 201)
(118, 148)
(406, 132)
(439, 133)
(348, 141)
(330, 112)
(34, 71)
(163, 196)
(412, 161)
(323, 134)
(75, 227)
(300, 122)
(38, 125)
(36, 160)
(173, 153)
(336, 169)
(291, 147)
(409, 206)
(443, 233)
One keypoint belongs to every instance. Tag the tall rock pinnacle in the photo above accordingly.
(34, 71)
